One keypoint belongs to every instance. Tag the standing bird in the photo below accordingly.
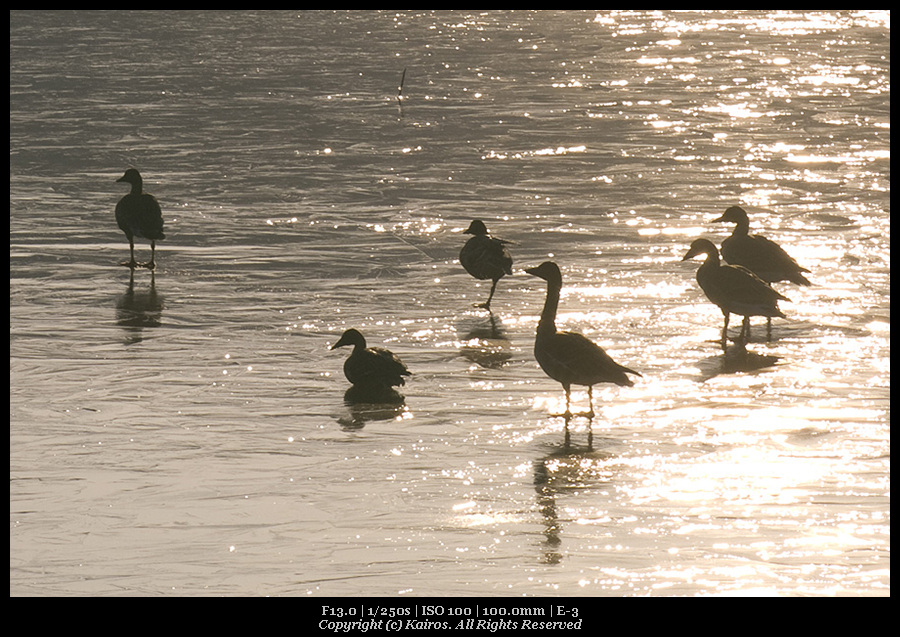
(371, 367)
(138, 215)
(567, 357)
(734, 288)
(764, 258)
(485, 257)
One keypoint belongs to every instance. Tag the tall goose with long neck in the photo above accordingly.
(733, 288)
(568, 357)
(138, 215)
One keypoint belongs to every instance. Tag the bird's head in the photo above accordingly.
(350, 337)
(548, 271)
(701, 246)
(131, 176)
(477, 228)
(734, 214)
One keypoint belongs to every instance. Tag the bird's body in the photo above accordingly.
(371, 366)
(765, 258)
(733, 288)
(138, 215)
(485, 257)
(568, 357)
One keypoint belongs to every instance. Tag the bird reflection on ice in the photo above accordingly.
(371, 403)
(736, 359)
(485, 343)
(563, 471)
(136, 310)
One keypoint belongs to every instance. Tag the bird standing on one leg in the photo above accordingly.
(138, 215)
(485, 257)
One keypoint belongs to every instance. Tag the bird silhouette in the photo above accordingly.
(568, 357)
(138, 215)
(733, 288)
(764, 258)
(485, 257)
(371, 367)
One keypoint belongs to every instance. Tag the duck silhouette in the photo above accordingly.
(138, 215)
(371, 368)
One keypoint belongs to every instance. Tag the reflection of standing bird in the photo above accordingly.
(567, 357)
(764, 258)
(485, 257)
(735, 289)
(138, 215)
(373, 367)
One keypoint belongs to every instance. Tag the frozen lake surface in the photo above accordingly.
(185, 432)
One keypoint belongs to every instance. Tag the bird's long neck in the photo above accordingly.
(711, 262)
(137, 187)
(551, 304)
(742, 229)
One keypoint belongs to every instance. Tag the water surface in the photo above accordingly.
(185, 432)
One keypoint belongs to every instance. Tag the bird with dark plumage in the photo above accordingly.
(734, 288)
(374, 367)
(138, 215)
(764, 258)
(567, 357)
(485, 257)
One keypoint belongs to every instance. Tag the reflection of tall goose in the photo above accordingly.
(567, 357)
(138, 215)
(735, 289)
(372, 367)
(485, 257)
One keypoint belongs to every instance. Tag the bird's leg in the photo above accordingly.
(567, 414)
(590, 412)
(487, 305)
(768, 328)
(590, 416)
(725, 330)
(131, 264)
(745, 330)
(152, 264)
